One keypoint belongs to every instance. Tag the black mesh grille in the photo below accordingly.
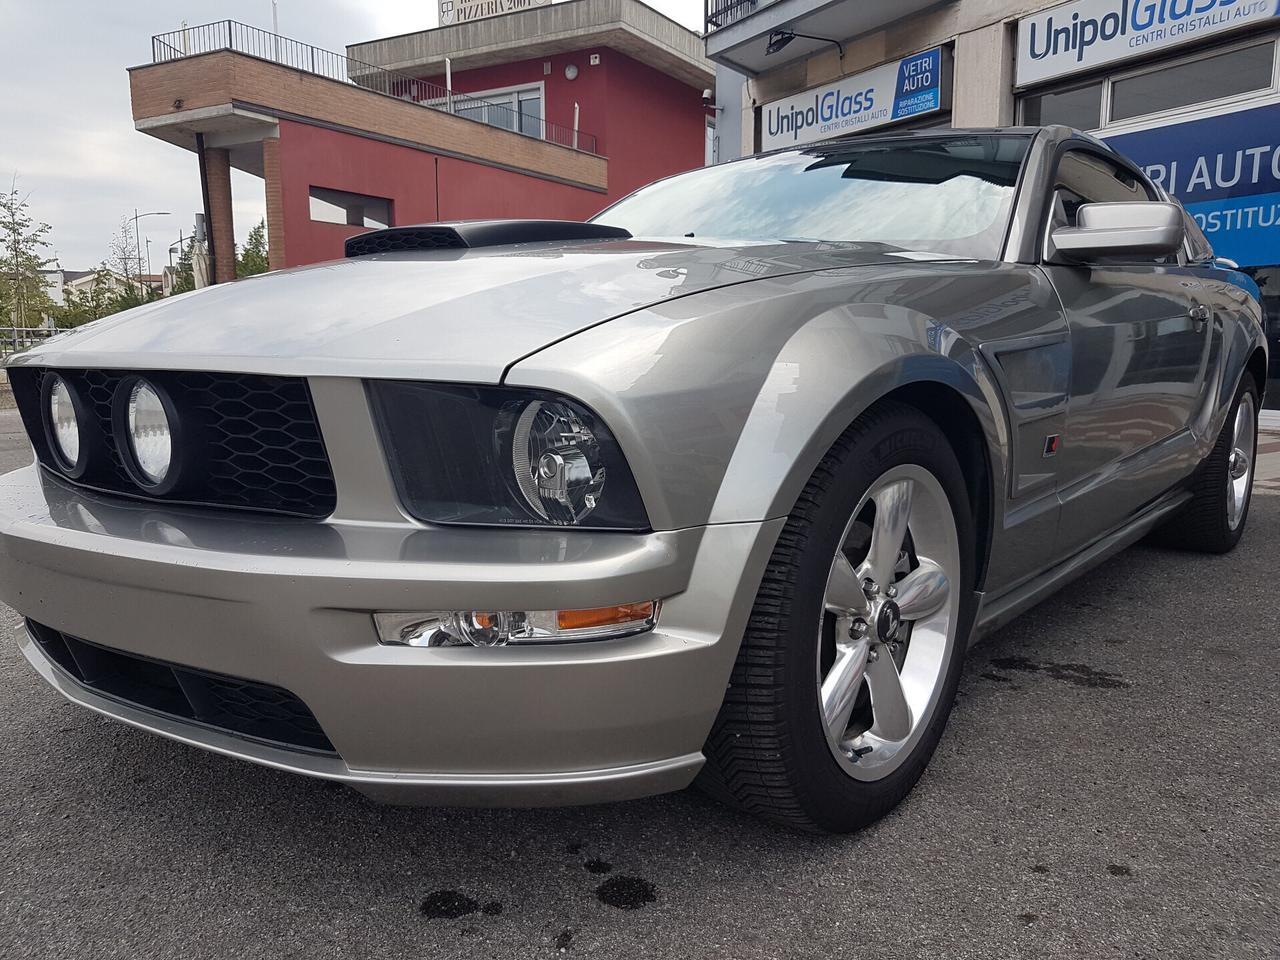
(243, 707)
(252, 442)
(408, 238)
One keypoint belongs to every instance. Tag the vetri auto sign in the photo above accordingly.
(1226, 170)
(1085, 34)
(892, 91)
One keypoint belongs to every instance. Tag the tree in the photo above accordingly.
(101, 300)
(184, 279)
(123, 259)
(253, 259)
(24, 297)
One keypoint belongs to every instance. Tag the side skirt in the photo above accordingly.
(997, 611)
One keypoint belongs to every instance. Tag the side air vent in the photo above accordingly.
(465, 234)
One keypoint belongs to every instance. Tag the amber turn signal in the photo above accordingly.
(604, 616)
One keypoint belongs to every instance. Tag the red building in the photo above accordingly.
(555, 111)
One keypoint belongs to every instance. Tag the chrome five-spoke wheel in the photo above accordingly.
(889, 621)
(1240, 461)
(853, 652)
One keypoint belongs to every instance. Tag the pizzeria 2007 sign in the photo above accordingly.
(460, 11)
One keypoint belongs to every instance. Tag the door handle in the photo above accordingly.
(1199, 316)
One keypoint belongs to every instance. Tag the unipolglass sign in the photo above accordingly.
(460, 11)
(1226, 171)
(892, 91)
(1084, 34)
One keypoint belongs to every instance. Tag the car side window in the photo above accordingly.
(1083, 177)
(1198, 248)
(1088, 178)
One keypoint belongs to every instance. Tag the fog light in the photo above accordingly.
(495, 628)
(64, 423)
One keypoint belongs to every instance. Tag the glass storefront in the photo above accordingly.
(1206, 126)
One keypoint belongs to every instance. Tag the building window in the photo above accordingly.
(1216, 77)
(518, 109)
(1080, 107)
(529, 103)
(349, 209)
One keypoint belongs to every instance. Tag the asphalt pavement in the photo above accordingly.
(1109, 786)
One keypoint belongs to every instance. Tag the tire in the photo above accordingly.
(772, 750)
(1215, 519)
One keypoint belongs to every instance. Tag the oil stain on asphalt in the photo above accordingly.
(1079, 674)
(596, 865)
(626, 893)
(448, 905)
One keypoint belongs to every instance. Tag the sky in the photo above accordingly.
(66, 130)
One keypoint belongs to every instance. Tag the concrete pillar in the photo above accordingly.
(275, 203)
(222, 227)
(983, 82)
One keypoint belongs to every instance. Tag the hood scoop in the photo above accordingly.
(468, 234)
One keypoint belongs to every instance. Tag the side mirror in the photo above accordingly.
(1126, 231)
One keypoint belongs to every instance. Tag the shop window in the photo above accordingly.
(350, 209)
(1080, 107)
(1216, 77)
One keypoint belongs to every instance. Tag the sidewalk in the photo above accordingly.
(1267, 469)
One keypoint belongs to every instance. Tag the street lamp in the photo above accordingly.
(137, 245)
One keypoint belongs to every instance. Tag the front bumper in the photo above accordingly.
(289, 603)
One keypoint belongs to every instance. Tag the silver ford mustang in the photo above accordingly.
(720, 484)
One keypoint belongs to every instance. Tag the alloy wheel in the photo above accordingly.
(889, 623)
(1240, 461)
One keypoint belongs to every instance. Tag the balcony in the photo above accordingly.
(230, 36)
(737, 31)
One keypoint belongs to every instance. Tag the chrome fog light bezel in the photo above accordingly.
(124, 435)
(73, 468)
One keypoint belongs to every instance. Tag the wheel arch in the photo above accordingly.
(1257, 367)
(955, 391)
(955, 417)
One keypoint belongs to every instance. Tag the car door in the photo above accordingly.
(1139, 340)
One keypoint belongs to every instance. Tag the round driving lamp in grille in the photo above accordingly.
(145, 429)
(63, 416)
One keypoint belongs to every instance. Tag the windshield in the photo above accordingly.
(948, 195)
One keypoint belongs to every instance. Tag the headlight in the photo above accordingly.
(555, 460)
(148, 431)
(63, 422)
(497, 455)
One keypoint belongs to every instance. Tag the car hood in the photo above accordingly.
(462, 315)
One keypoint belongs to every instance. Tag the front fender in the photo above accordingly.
(725, 402)
(849, 361)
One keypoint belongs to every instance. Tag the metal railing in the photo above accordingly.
(17, 339)
(236, 37)
(720, 13)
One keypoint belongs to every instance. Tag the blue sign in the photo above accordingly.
(892, 91)
(1226, 171)
(919, 85)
